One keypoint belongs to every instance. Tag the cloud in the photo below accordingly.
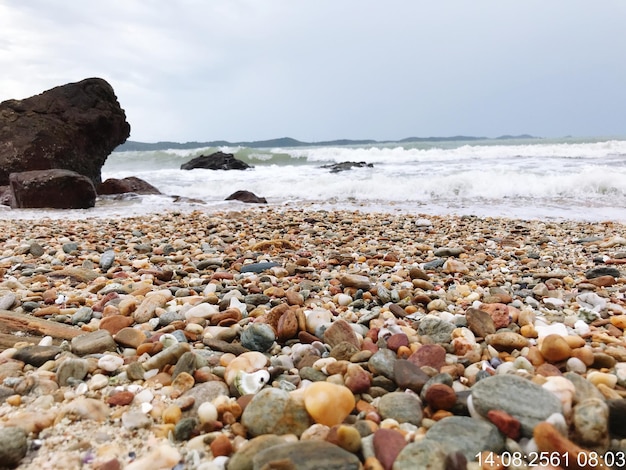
(315, 70)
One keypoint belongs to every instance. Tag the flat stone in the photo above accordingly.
(37, 355)
(242, 459)
(403, 407)
(258, 267)
(306, 455)
(519, 397)
(602, 271)
(507, 341)
(93, 343)
(466, 435)
(355, 280)
(273, 411)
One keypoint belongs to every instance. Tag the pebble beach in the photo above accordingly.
(273, 338)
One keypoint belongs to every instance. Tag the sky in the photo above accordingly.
(315, 70)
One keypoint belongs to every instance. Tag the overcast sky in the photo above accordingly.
(199, 70)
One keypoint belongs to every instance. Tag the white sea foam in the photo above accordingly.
(528, 179)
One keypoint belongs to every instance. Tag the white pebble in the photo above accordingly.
(110, 363)
(98, 382)
(343, 299)
(46, 341)
(145, 396)
(576, 365)
(203, 310)
(207, 412)
(582, 328)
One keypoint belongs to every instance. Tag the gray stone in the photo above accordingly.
(72, 370)
(403, 407)
(258, 337)
(106, 260)
(69, 247)
(428, 453)
(96, 342)
(519, 397)
(82, 315)
(466, 435)
(166, 357)
(13, 446)
(273, 411)
(440, 331)
(7, 300)
(242, 459)
(591, 424)
(584, 388)
(184, 429)
(207, 391)
(602, 271)
(135, 371)
(258, 267)
(382, 363)
(449, 251)
(306, 455)
(36, 249)
(37, 355)
(186, 363)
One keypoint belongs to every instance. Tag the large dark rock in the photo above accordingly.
(246, 196)
(6, 197)
(58, 189)
(73, 127)
(216, 161)
(343, 166)
(131, 184)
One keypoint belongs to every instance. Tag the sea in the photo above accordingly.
(581, 179)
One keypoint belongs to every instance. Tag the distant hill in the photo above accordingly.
(131, 145)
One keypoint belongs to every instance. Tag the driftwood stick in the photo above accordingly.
(11, 322)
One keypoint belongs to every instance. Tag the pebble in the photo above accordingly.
(427, 452)
(327, 403)
(532, 403)
(258, 337)
(218, 336)
(72, 370)
(306, 455)
(13, 446)
(466, 435)
(387, 446)
(274, 411)
(402, 407)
